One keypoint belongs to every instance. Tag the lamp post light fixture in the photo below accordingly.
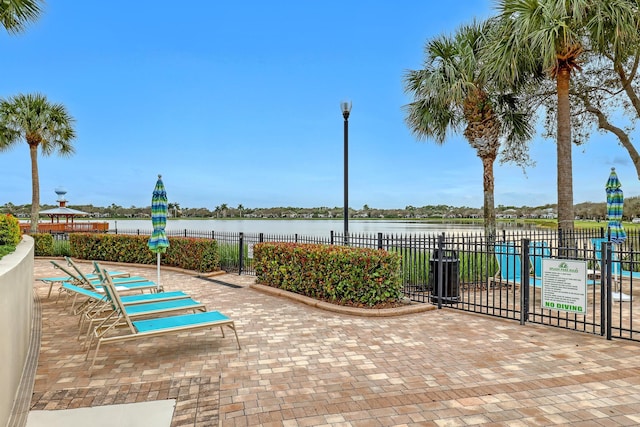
(346, 109)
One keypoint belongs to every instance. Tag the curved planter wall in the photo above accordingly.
(16, 306)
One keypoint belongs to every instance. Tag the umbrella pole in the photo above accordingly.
(619, 274)
(158, 283)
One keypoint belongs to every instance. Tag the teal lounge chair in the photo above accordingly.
(135, 283)
(59, 280)
(97, 272)
(538, 251)
(135, 311)
(510, 266)
(95, 302)
(157, 326)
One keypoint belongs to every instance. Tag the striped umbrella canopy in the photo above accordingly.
(615, 204)
(158, 242)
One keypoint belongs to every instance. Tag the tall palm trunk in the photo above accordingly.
(565, 165)
(35, 188)
(483, 134)
(489, 208)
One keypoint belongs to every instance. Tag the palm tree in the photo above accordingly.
(175, 207)
(16, 14)
(551, 36)
(240, 208)
(608, 83)
(114, 210)
(451, 94)
(41, 124)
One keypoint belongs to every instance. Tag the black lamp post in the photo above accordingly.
(346, 109)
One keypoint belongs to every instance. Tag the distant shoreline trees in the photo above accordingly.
(587, 210)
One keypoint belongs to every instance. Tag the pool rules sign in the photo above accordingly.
(564, 285)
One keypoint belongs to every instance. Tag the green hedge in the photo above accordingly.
(43, 244)
(9, 230)
(191, 254)
(342, 275)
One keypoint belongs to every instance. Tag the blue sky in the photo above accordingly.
(239, 103)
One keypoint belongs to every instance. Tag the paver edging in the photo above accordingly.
(364, 312)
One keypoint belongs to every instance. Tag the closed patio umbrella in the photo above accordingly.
(158, 241)
(616, 233)
(615, 205)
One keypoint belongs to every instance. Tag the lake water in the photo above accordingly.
(294, 226)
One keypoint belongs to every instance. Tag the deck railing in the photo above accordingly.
(63, 228)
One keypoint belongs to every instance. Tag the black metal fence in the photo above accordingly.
(499, 277)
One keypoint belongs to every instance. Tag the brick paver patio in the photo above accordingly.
(304, 366)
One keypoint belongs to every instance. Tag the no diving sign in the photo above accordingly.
(564, 285)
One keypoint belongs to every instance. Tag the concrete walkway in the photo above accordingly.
(305, 366)
(157, 413)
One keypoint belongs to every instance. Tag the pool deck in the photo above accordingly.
(302, 365)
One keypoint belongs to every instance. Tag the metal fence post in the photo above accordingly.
(241, 253)
(603, 293)
(379, 240)
(562, 253)
(332, 237)
(524, 289)
(440, 268)
(261, 237)
(607, 262)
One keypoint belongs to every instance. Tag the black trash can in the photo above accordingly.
(450, 276)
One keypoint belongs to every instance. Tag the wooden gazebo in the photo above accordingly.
(68, 215)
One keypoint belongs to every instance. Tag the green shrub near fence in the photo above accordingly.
(230, 254)
(342, 275)
(43, 244)
(474, 267)
(61, 247)
(188, 253)
(46, 245)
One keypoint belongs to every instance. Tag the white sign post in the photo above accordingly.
(564, 285)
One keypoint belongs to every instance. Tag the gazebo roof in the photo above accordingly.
(62, 212)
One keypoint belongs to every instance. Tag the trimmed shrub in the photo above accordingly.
(43, 244)
(188, 253)
(342, 275)
(9, 230)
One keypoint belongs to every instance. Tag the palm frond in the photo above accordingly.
(16, 14)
